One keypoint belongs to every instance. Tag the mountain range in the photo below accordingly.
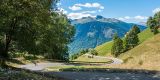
(94, 31)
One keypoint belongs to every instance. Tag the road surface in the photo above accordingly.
(91, 75)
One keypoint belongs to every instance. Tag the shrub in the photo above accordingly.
(75, 56)
(93, 52)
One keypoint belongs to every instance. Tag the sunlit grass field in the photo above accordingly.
(105, 49)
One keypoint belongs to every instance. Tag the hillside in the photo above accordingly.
(94, 31)
(105, 48)
(144, 56)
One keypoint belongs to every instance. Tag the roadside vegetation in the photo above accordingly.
(86, 58)
(105, 49)
(31, 30)
(82, 52)
(33, 27)
(90, 51)
(10, 74)
(130, 41)
(144, 56)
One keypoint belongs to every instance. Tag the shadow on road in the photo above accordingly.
(106, 74)
(15, 61)
(81, 63)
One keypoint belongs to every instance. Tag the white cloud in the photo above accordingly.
(127, 17)
(75, 8)
(156, 10)
(79, 15)
(124, 18)
(133, 18)
(61, 10)
(87, 5)
(89, 12)
(100, 10)
(140, 17)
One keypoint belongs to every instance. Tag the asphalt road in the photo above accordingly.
(105, 76)
(91, 75)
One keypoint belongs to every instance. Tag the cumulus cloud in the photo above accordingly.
(79, 15)
(140, 17)
(133, 18)
(87, 5)
(100, 10)
(124, 18)
(127, 17)
(89, 11)
(76, 15)
(156, 10)
(91, 5)
(75, 8)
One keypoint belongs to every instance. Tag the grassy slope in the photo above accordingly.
(144, 56)
(84, 58)
(105, 48)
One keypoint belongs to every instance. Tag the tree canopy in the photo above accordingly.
(35, 27)
(131, 38)
(154, 23)
(117, 47)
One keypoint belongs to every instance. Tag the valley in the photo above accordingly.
(94, 31)
(79, 40)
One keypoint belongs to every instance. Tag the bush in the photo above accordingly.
(75, 56)
(127, 59)
(93, 52)
(17, 54)
(140, 62)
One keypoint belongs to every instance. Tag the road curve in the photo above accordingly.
(91, 75)
(114, 60)
(42, 66)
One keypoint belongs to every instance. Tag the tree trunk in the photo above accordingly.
(4, 54)
(3, 63)
(6, 43)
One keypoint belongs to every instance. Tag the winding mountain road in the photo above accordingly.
(114, 60)
(42, 66)
(87, 75)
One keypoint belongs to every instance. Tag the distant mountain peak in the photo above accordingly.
(97, 18)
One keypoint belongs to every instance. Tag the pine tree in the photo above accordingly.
(154, 23)
(136, 29)
(131, 39)
(126, 42)
(151, 23)
(117, 47)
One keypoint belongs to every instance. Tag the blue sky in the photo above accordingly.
(125, 10)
